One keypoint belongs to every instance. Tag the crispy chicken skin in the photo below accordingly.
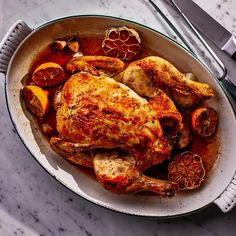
(146, 74)
(119, 174)
(99, 112)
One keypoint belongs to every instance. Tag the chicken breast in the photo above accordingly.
(99, 112)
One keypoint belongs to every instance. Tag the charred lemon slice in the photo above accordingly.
(187, 170)
(121, 42)
(36, 100)
(48, 74)
(204, 121)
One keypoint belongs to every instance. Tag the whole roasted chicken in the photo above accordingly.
(97, 112)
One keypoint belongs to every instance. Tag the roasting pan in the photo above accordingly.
(17, 50)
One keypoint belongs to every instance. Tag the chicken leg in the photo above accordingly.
(143, 75)
(120, 174)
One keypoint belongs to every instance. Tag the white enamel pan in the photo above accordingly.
(19, 47)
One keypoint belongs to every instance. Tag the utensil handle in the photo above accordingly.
(234, 56)
(14, 36)
(227, 200)
(230, 47)
(230, 87)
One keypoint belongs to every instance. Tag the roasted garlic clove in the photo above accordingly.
(59, 44)
(73, 46)
(190, 76)
(185, 137)
(47, 129)
(78, 54)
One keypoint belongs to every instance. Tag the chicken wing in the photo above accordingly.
(72, 152)
(96, 65)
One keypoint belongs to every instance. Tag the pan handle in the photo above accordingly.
(227, 200)
(18, 31)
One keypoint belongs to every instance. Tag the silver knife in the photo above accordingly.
(221, 37)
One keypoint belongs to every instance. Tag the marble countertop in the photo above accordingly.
(31, 201)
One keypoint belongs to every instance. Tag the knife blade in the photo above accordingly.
(214, 31)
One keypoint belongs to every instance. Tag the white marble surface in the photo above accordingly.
(31, 201)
